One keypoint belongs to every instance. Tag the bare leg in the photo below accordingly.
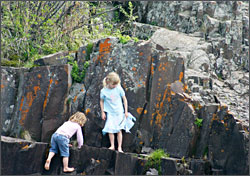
(119, 139)
(66, 167)
(47, 163)
(112, 139)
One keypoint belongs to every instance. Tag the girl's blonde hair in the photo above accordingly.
(112, 78)
(79, 118)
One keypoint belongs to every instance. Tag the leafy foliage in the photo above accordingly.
(198, 122)
(76, 75)
(32, 29)
(154, 159)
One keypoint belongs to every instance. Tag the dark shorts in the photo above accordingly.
(60, 142)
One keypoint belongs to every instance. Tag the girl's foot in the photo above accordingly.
(120, 150)
(68, 169)
(46, 166)
(111, 148)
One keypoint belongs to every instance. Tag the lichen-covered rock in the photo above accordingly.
(40, 103)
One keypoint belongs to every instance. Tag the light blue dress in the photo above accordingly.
(113, 107)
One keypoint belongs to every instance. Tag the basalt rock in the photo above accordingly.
(40, 105)
(22, 157)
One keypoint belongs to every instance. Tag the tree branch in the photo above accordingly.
(81, 25)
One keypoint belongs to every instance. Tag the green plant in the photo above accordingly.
(124, 39)
(154, 159)
(10, 63)
(76, 75)
(154, 23)
(89, 50)
(198, 122)
(131, 17)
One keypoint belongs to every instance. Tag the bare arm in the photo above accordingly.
(125, 102)
(102, 109)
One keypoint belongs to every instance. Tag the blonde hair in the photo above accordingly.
(112, 78)
(79, 118)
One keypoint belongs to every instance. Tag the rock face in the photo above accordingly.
(224, 24)
(176, 84)
(38, 104)
(28, 157)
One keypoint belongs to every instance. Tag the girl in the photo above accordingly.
(111, 97)
(60, 139)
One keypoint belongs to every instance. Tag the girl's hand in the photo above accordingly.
(103, 116)
(70, 145)
(126, 114)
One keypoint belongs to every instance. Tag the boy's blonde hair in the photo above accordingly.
(79, 118)
(112, 78)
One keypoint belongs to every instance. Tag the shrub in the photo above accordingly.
(154, 160)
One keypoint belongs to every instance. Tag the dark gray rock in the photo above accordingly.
(9, 86)
(53, 59)
(21, 157)
(226, 147)
(169, 166)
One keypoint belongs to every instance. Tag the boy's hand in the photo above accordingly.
(70, 145)
(103, 116)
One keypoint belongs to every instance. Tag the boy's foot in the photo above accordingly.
(111, 148)
(46, 166)
(69, 169)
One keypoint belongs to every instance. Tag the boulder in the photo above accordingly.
(53, 59)
(22, 157)
(40, 105)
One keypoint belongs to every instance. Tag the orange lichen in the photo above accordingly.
(36, 88)
(169, 98)
(39, 76)
(141, 53)
(105, 46)
(83, 51)
(21, 104)
(152, 69)
(2, 86)
(134, 69)
(151, 122)
(25, 147)
(158, 118)
(87, 111)
(139, 110)
(180, 76)
(185, 87)
(47, 93)
(74, 100)
(160, 67)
